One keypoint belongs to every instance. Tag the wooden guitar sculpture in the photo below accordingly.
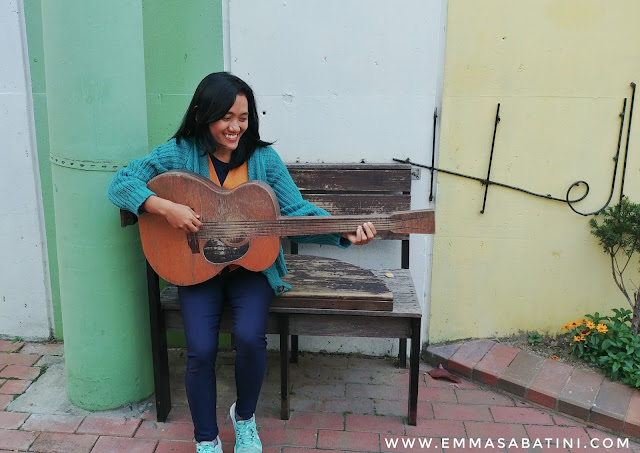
(242, 226)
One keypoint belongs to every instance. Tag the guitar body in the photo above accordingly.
(185, 259)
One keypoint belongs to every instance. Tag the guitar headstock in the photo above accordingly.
(419, 222)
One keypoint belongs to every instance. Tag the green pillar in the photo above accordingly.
(95, 85)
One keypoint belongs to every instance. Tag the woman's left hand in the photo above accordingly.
(362, 235)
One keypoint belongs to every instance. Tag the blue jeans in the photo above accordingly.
(249, 295)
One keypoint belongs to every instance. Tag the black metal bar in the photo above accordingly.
(433, 151)
(284, 366)
(626, 151)
(484, 181)
(402, 353)
(158, 347)
(615, 169)
(414, 367)
(404, 255)
(493, 143)
(293, 248)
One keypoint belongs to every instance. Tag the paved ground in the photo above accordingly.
(339, 403)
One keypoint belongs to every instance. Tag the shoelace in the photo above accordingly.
(247, 432)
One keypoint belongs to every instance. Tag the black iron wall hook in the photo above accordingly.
(487, 181)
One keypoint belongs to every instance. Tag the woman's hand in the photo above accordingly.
(362, 235)
(178, 215)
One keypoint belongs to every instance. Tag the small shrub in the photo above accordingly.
(534, 338)
(608, 341)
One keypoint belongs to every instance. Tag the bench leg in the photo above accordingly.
(294, 349)
(158, 347)
(414, 371)
(284, 367)
(402, 353)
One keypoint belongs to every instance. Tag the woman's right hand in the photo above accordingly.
(178, 215)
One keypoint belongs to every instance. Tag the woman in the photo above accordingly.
(219, 139)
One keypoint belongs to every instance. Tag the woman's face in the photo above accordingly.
(228, 130)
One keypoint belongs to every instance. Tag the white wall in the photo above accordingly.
(25, 307)
(346, 81)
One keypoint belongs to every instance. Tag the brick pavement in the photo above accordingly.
(339, 403)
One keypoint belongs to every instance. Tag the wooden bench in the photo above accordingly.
(329, 297)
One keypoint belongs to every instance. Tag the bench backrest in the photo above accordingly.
(353, 189)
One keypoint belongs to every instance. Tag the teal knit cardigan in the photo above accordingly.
(129, 191)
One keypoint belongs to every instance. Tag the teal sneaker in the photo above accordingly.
(247, 439)
(209, 447)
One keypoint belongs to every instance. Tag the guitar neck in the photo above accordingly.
(403, 222)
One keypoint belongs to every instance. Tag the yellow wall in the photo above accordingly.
(560, 69)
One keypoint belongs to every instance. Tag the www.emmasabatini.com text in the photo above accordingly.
(392, 443)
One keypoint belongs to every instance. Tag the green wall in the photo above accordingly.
(182, 44)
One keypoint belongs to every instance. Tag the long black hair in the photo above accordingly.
(212, 100)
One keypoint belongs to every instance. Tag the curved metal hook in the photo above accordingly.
(613, 179)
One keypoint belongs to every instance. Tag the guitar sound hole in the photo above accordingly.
(218, 252)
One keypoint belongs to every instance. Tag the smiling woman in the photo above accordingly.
(219, 140)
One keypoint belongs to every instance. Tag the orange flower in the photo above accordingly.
(555, 357)
(573, 324)
(590, 324)
(584, 321)
(578, 338)
(585, 332)
(565, 327)
(602, 328)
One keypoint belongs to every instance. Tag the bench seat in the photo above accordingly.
(311, 308)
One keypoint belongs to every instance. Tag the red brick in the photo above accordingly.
(292, 437)
(109, 426)
(305, 405)
(493, 364)
(348, 440)
(457, 412)
(11, 439)
(14, 387)
(10, 346)
(306, 450)
(440, 355)
(4, 401)
(399, 408)
(18, 359)
(558, 432)
(354, 406)
(169, 431)
(177, 447)
(374, 424)
(489, 430)
(320, 391)
(632, 420)
(547, 385)
(43, 349)
(53, 423)
(437, 428)
(180, 414)
(468, 355)
(61, 442)
(483, 397)
(579, 393)
(372, 391)
(108, 444)
(436, 395)
(12, 420)
(611, 405)
(527, 415)
(20, 372)
(322, 420)
(520, 373)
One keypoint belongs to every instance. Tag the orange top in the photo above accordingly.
(235, 177)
